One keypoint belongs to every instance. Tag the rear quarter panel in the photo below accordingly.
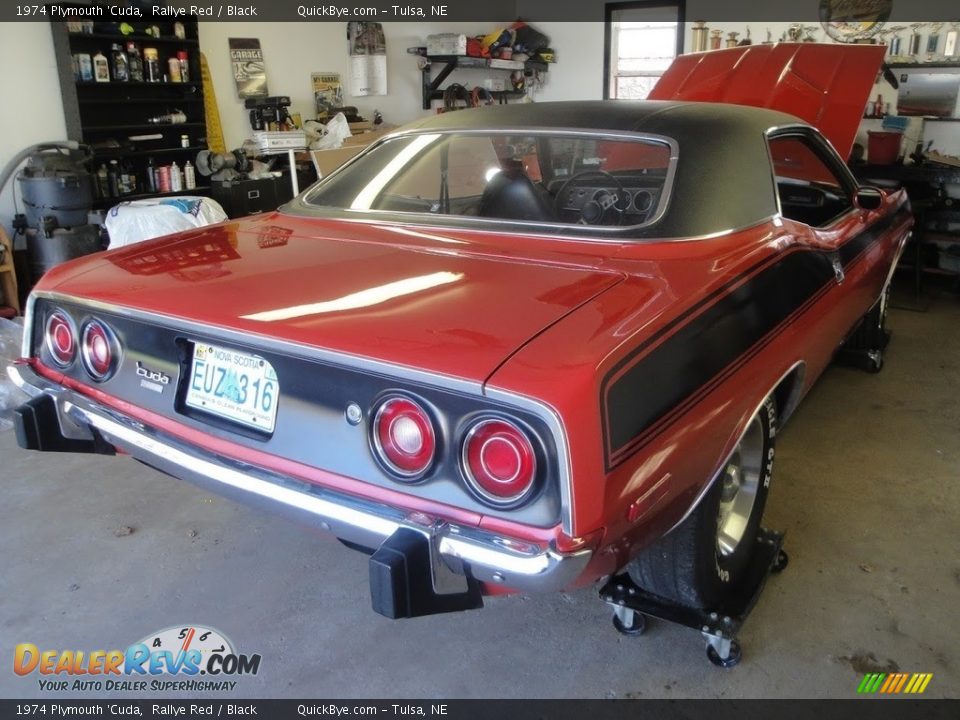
(669, 290)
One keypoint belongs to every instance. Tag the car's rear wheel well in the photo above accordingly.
(787, 392)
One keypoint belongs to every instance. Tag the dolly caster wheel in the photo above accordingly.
(633, 624)
(730, 661)
(780, 564)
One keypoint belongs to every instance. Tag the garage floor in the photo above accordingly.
(865, 485)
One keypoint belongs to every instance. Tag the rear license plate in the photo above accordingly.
(237, 386)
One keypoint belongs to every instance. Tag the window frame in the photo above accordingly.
(825, 152)
(610, 44)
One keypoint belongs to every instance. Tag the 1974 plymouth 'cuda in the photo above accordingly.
(518, 348)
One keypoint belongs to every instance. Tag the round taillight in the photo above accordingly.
(61, 338)
(98, 350)
(499, 461)
(404, 438)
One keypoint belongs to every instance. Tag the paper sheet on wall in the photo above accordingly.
(368, 59)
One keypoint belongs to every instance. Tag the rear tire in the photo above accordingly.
(701, 559)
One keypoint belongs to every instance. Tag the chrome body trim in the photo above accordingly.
(401, 372)
(488, 557)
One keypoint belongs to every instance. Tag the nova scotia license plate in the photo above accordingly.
(237, 386)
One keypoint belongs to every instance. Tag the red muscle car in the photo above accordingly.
(523, 347)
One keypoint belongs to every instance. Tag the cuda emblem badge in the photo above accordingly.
(153, 376)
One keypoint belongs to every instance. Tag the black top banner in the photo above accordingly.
(494, 11)
(892, 709)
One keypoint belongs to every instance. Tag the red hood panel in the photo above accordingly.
(445, 309)
(826, 85)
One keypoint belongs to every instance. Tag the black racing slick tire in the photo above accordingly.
(700, 560)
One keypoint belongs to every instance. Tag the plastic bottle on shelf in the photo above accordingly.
(173, 66)
(101, 67)
(135, 62)
(176, 179)
(190, 177)
(163, 179)
(121, 65)
(151, 173)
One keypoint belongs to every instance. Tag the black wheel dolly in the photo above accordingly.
(718, 626)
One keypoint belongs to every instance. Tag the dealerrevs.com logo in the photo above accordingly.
(188, 658)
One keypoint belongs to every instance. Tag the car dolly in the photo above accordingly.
(719, 626)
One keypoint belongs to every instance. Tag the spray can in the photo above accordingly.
(184, 61)
(84, 67)
(163, 179)
(151, 65)
(190, 176)
(121, 66)
(176, 179)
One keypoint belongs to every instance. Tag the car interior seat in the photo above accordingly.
(512, 195)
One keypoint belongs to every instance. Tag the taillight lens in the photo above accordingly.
(404, 437)
(499, 461)
(98, 350)
(61, 338)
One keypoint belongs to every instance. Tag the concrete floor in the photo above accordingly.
(865, 485)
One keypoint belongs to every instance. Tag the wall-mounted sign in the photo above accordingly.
(854, 20)
(249, 71)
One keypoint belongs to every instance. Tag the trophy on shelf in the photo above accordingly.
(914, 48)
(700, 32)
(716, 39)
(951, 48)
(795, 32)
(896, 42)
(933, 40)
(808, 31)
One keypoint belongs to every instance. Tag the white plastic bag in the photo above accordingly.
(338, 130)
(138, 220)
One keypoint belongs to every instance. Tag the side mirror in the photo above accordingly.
(869, 198)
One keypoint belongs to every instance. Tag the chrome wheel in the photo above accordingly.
(740, 483)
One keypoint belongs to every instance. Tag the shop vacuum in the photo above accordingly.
(57, 191)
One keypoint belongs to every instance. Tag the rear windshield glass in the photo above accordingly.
(542, 178)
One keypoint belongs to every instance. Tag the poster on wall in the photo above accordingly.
(327, 93)
(368, 59)
(249, 70)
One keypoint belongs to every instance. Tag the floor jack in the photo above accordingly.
(719, 626)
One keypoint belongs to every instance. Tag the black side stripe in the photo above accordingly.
(734, 323)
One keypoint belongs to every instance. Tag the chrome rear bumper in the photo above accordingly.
(456, 551)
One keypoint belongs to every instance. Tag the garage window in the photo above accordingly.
(641, 40)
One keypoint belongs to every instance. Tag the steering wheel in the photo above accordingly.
(593, 210)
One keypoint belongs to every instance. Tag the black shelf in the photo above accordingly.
(139, 38)
(136, 83)
(107, 202)
(114, 153)
(136, 101)
(431, 86)
(141, 126)
(95, 112)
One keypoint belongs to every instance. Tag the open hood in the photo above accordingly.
(826, 85)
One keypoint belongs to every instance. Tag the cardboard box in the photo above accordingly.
(326, 161)
(447, 44)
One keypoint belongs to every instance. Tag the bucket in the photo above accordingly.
(883, 148)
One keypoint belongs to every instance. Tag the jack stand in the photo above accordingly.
(719, 626)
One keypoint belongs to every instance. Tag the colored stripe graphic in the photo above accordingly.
(894, 683)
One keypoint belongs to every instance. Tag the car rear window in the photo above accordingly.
(548, 179)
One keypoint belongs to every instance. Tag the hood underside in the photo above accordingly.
(826, 85)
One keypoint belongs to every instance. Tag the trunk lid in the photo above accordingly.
(826, 85)
(446, 305)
